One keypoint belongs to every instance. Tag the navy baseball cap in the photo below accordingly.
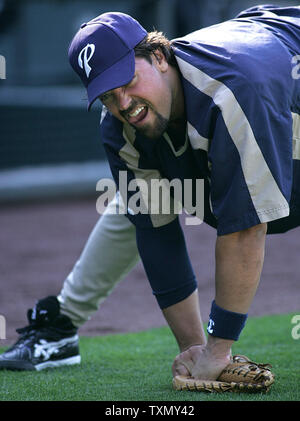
(102, 52)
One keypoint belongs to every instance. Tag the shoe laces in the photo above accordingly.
(27, 333)
(36, 325)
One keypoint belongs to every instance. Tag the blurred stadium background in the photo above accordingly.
(51, 158)
(49, 144)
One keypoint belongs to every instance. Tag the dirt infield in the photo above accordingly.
(40, 243)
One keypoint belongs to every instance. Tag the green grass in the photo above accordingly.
(137, 367)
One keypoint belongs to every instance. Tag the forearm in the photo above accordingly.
(239, 262)
(165, 258)
(185, 322)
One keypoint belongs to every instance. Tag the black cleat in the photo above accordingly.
(50, 340)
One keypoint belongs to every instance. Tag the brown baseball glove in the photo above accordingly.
(242, 375)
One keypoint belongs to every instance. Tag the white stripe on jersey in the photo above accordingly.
(261, 184)
(130, 155)
(103, 113)
(197, 141)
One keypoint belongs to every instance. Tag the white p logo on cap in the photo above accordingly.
(85, 56)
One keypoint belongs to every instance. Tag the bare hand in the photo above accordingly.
(199, 362)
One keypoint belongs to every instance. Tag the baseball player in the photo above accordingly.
(221, 105)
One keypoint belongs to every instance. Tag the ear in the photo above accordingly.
(160, 60)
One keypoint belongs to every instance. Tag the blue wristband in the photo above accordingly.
(225, 324)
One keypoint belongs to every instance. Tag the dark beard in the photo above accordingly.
(149, 132)
(157, 131)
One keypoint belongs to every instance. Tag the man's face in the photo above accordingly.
(146, 101)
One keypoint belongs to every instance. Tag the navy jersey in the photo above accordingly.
(242, 138)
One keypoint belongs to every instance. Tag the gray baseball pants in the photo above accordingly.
(108, 255)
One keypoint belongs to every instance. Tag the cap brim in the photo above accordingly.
(117, 75)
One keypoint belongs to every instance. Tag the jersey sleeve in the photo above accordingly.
(134, 172)
(251, 152)
(160, 239)
(239, 95)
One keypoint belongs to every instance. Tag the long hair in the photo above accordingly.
(155, 41)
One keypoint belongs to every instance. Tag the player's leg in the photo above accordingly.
(109, 254)
(50, 339)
